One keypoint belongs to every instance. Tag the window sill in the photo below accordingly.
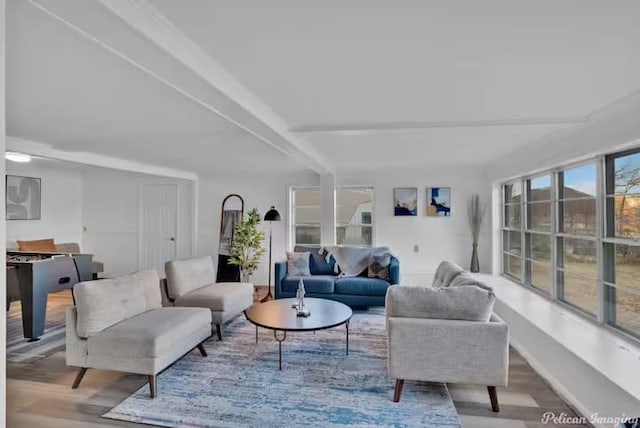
(611, 355)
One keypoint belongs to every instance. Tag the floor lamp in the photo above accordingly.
(271, 216)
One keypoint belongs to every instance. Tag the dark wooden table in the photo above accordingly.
(280, 316)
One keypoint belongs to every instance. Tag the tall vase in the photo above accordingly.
(475, 264)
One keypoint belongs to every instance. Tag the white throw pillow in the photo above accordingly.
(298, 264)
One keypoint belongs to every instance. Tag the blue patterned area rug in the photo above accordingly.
(239, 384)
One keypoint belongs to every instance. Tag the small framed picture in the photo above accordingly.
(438, 201)
(405, 200)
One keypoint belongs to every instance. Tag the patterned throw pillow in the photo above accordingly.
(298, 264)
(379, 266)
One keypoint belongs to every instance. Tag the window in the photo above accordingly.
(578, 244)
(577, 267)
(538, 233)
(622, 241)
(512, 230)
(354, 218)
(306, 214)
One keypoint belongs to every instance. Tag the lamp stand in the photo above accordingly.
(269, 295)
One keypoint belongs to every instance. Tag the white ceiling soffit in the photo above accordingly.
(355, 78)
(80, 78)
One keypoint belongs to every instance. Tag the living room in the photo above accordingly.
(422, 105)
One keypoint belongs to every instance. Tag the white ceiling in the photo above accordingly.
(459, 81)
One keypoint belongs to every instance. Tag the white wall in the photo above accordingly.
(111, 210)
(61, 215)
(258, 191)
(438, 238)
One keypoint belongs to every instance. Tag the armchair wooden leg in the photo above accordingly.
(493, 396)
(398, 390)
(202, 350)
(219, 331)
(152, 386)
(79, 376)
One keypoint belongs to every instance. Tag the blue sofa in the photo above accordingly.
(359, 291)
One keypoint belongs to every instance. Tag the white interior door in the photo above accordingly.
(159, 219)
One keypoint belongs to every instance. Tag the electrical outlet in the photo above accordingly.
(416, 248)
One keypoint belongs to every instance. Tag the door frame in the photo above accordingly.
(141, 219)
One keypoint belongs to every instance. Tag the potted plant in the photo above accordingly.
(246, 245)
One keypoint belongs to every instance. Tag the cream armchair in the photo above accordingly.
(446, 335)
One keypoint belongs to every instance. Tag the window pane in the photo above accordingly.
(511, 242)
(354, 235)
(540, 216)
(579, 256)
(513, 266)
(627, 310)
(579, 217)
(627, 266)
(307, 235)
(540, 188)
(579, 291)
(354, 205)
(513, 192)
(512, 216)
(307, 215)
(579, 182)
(539, 247)
(627, 174)
(306, 197)
(540, 276)
(627, 215)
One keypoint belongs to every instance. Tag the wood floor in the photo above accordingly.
(39, 394)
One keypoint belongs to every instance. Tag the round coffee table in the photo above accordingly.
(280, 316)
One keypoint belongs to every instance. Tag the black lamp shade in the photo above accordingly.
(272, 215)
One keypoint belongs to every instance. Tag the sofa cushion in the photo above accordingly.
(150, 334)
(379, 266)
(464, 279)
(468, 303)
(361, 286)
(45, 245)
(184, 276)
(320, 284)
(298, 264)
(223, 296)
(445, 273)
(103, 303)
(318, 265)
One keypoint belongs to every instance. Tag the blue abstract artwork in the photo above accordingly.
(438, 201)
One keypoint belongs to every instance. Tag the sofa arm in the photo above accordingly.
(279, 275)
(394, 271)
(449, 350)
(76, 349)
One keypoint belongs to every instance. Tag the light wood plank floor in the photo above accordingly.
(39, 395)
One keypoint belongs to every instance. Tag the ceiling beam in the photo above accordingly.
(374, 128)
(202, 79)
(46, 151)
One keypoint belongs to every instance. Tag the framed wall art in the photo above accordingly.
(23, 198)
(438, 201)
(405, 201)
